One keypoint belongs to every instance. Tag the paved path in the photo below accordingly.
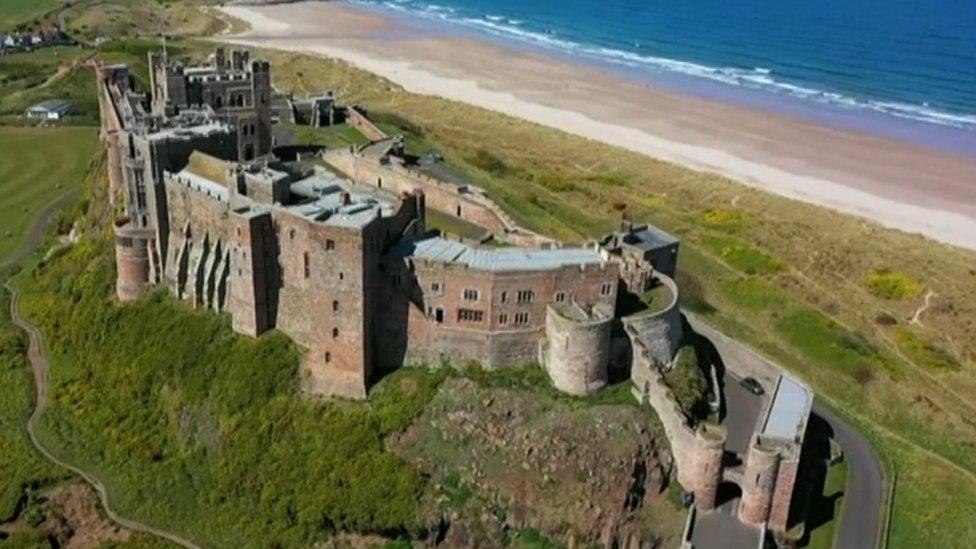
(860, 521)
(41, 367)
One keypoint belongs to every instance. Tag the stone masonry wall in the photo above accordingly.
(356, 119)
(576, 352)
(660, 333)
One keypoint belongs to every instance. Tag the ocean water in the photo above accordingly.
(901, 68)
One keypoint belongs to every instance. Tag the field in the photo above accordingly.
(14, 12)
(37, 166)
(882, 324)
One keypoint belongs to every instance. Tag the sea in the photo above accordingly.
(897, 68)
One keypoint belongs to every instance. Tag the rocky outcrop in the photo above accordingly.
(574, 474)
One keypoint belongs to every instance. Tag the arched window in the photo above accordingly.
(335, 306)
(335, 333)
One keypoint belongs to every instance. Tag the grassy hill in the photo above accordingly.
(37, 165)
(14, 12)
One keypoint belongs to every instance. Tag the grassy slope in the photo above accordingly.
(21, 468)
(36, 166)
(786, 277)
(13, 12)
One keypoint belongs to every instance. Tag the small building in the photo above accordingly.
(54, 109)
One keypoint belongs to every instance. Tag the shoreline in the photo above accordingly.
(897, 184)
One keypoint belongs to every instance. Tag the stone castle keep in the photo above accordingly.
(336, 253)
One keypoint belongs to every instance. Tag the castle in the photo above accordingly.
(333, 250)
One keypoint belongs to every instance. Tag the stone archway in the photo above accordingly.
(727, 493)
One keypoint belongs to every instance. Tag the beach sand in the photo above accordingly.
(897, 184)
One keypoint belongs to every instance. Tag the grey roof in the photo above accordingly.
(650, 238)
(52, 105)
(326, 205)
(495, 259)
(789, 410)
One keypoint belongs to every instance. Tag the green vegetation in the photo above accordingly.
(742, 256)
(897, 285)
(804, 305)
(452, 225)
(339, 136)
(924, 351)
(834, 486)
(17, 12)
(687, 381)
(33, 175)
(22, 470)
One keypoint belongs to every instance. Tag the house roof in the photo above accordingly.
(52, 105)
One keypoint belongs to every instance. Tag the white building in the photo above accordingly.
(54, 109)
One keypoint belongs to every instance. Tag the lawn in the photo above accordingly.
(37, 165)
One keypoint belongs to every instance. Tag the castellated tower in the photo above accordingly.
(576, 350)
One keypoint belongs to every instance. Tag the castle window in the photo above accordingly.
(244, 130)
(335, 306)
(525, 296)
(342, 275)
(560, 297)
(470, 315)
(521, 319)
(328, 357)
(238, 231)
(305, 265)
(335, 333)
(329, 245)
(504, 297)
(218, 102)
(436, 287)
(471, 295)
(439, 315)
(503, 319)
(396, 280)
(606, 289)
(291, 234)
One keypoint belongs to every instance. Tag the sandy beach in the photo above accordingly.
(897, 184)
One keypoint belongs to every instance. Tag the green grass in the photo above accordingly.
(688, 382)
(37, 166)
(834, 483)
(742, 256)
(452, 225)
(895, 285)
(204, 431)
(21, 468)
(925, 351)
(335, 137)
(15, 12)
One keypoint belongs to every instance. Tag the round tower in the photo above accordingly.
(706, 464)
(577, 347)
(758, 480)
(131, 260)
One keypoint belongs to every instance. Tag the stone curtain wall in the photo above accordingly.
(356, 119)
(660, 333)
(469, 204)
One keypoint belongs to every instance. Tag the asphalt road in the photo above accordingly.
(860, 522)
(721, 529)
(743, 411)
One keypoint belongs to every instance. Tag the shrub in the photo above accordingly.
(924, 351)
(688, 383)
(893, 285)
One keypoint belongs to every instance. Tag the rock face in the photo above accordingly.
(515, 460)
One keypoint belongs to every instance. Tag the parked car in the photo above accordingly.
(752, 386)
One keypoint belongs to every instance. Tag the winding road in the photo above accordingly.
(41, 367)
(860, 521)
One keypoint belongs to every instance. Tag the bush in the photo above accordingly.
(893, 285)
(688, 383)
